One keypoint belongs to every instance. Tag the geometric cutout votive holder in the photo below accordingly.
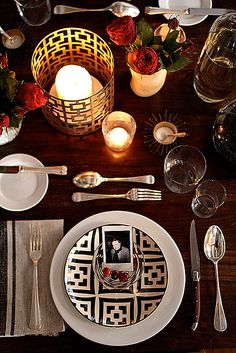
(83, 48)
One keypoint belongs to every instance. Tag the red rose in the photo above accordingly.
(30, 96)
(122, 30)
(3, 61)
(4, 121)
(145, 61)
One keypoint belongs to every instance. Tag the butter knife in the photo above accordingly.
(150, 10)
(59, 170)
(195, 272)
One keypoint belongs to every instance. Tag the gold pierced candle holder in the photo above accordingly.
(75, 46)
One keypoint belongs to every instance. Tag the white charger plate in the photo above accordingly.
(21, 191)
(186, 20)
(155, 322)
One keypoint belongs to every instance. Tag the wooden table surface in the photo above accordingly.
(89, 152)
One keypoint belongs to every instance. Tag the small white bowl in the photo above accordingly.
(186, 20)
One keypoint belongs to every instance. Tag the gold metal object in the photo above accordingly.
(82, 47)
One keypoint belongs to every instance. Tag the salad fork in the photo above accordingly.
(35, 255)
(133, 195)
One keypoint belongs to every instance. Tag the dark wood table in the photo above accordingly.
(89, 152)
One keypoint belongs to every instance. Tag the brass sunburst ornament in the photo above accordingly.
(162, 132)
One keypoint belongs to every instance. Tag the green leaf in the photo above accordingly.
(170, 41)
(145, 32)
(157, 40)
(158, 48)
(179, 64)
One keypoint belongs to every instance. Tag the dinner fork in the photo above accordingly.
(35, 255)
(133, 195)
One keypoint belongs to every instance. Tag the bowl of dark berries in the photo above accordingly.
(118, 275)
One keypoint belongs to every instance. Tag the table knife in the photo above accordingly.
(59, 170)
(150, 10)
(195, 272)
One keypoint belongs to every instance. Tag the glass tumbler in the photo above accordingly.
(184, 167)
(34, 12)
(215, 72)
(209, 196)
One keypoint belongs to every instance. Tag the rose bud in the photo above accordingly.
(122, 30)
(3, 61)
(173, 23)
(145, 61)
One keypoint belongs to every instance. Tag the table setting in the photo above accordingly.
(117, 137)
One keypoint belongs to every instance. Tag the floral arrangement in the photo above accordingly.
(148, 53)
(16, 97)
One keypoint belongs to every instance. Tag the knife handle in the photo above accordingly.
(58, 170)
(197, 305)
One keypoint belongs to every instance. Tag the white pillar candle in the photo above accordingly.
(73, 82)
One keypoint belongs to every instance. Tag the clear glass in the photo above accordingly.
(224, 132)
(215, 72)
(34, 12)
(184, 167)
(118, 130)
(209, 196)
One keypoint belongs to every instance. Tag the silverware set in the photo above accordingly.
(214, 249)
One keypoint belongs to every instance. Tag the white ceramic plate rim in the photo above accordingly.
(120, 336)
(42, 183)
(185, 20)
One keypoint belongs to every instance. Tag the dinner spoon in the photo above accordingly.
(4, 33)
(89, 180)
(214, 248)
(118, 8)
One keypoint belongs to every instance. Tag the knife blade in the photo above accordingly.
(195, 273)
(10, 169)
(150, 10)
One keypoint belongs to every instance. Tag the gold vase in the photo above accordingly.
(147, 85)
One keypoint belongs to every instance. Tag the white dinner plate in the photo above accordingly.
(21, 191)
(155, 322)
(186, 20)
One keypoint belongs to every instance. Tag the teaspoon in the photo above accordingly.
(89, 180)
(118, 8)
(214, 248)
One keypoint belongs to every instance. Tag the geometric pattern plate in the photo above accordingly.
(157, 318)
(114, 307)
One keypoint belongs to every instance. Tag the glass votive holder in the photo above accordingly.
(118, 130)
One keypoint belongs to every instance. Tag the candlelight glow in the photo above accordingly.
(73, 82)
(118, 136)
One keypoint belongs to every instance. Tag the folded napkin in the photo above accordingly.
(16, 273)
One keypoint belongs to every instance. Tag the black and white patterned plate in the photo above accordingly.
(114, 307)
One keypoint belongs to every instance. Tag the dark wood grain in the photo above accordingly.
(89, 152)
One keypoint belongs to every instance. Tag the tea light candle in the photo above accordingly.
(73, 82)
(118, 130)
(118, 137)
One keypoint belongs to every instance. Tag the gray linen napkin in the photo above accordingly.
(16, 272)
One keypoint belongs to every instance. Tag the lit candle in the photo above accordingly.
(118, 137)
(118, 130)
(73, 82)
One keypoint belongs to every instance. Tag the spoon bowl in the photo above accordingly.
(214, 249)
(89, 180)
(118, 8)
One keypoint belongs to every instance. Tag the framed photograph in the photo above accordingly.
(117, 245)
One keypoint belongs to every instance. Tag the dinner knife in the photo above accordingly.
(59, 170)
(195, 272)
(150, 10)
